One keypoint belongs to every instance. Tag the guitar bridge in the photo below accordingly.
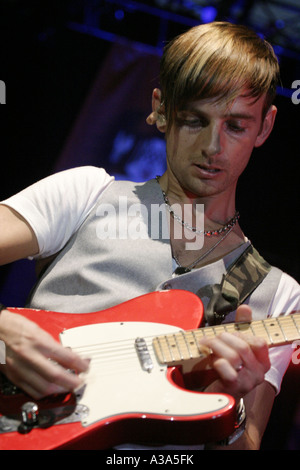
(143, 354)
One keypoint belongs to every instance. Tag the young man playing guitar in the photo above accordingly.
(214, 105)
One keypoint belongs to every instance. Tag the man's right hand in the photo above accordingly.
(35, 361)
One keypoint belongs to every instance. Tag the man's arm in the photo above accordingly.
(258, 404)
(17, 239)
(28, 347)
(240, 362)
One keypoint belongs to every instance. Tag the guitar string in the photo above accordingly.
(111, 350)
(117, 346)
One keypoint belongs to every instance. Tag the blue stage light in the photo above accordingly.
(119, 15)
(208, 14)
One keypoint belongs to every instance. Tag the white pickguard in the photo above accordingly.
(116, 384)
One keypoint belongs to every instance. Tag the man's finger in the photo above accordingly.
(243, 314)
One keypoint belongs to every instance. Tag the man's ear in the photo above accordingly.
(157, 116)
(267, 126)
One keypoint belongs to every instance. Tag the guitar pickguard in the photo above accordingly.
(118, 383)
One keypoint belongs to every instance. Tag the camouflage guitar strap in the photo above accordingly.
(240, 280)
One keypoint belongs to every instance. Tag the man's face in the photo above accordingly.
(209, 144)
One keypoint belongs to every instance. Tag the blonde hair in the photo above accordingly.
(217, 60)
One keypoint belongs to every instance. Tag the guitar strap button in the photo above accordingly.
(30, 413)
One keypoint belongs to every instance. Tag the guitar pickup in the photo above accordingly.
(143, 354)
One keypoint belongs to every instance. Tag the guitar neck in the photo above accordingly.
(175, 349)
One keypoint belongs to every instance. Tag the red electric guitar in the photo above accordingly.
(135, 389)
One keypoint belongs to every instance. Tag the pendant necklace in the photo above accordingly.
(226, 229)
(187, 269)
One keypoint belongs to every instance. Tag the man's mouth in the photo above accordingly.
(208, 169)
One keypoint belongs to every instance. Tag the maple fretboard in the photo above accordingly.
(174, 349)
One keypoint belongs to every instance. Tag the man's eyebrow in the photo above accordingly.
(230, 115)
(244, 116)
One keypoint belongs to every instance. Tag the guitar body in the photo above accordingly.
(128, 395)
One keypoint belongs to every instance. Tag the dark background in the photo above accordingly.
(79, 76)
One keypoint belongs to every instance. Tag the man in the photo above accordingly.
(218, 82)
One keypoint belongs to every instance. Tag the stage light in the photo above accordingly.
(119, 15)
(208, 14)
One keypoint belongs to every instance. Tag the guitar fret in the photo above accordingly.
(183, 346)
(230, 327)
(269, 336)
(159, 350)
(196, 349)
(289, 326)
(178, 347)
(180, 356)
(258, 329)
(294, 319)
(252, 329)
(282, 330)
(170, 348)
(208, 332)
(275, 331)
(218, 329)
(187, 345)
(197, 335)
(241, 327)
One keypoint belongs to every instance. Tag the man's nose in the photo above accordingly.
(211, 140)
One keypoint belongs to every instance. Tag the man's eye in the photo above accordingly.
(235, 128)
(192, 122)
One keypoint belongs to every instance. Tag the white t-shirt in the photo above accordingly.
(56, 206)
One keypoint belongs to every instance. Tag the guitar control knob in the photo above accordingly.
(30, 411)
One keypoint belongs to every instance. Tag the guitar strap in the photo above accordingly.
(241, 279)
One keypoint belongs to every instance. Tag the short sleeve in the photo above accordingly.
(285, 302)
(56, 206)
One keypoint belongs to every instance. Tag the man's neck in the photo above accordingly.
(218, 209)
